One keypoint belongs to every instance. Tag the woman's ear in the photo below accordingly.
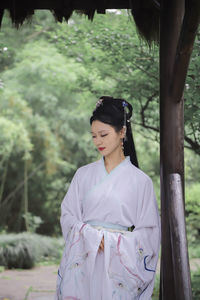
(123, 132)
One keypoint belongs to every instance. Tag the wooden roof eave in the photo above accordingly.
(75, 4)
(21, 10)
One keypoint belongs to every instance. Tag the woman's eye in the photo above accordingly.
(101, 136)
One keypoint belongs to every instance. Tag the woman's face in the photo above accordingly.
(105, 138)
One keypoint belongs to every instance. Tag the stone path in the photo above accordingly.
(38, 283)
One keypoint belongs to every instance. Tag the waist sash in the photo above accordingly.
(109, 226)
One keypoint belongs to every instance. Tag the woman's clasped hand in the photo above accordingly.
(101, 246)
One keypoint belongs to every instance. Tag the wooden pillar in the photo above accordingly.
(178, 239)
(171, 132)
(178, 26)
(176, 42)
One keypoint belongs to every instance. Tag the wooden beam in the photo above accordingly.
(75, 4)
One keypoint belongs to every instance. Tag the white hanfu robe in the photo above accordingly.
(100, 204)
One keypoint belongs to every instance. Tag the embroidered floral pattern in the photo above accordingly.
(145, 264)
(120, 257)
(73, 273)
(141, 257)
(126, 283)
(139, 253)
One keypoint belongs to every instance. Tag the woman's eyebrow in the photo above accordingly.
(100, 131)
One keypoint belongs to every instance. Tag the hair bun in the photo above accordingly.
(119, 103)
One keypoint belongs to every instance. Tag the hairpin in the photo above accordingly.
(124, 103)
(99, 102)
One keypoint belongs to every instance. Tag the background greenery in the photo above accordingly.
(51, 76)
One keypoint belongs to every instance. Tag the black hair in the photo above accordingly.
(110, 110)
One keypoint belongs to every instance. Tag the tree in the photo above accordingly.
(51, 76)
(125, 67)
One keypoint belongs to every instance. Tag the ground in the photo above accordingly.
(38, 283)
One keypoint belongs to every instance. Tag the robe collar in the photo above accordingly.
(127, 159)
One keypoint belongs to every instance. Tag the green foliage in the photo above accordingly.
(155, 295)
(2, 269)
(117, 63)
(192, 167)
(195, 285)
(194, 250)
(192, 107)
(25, 250)
(195, 279)
(13, 137)
(33, 222)
(192, 213)
(50, 77)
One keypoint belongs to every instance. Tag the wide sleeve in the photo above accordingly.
(146, 238)
(81, 246)
(136, 253)
(71, 215)
(71, 209)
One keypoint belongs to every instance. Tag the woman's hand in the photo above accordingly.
(101, 247)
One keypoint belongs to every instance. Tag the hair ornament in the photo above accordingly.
(99, 102)
(124, 103)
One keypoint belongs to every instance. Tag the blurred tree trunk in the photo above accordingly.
(26, 194)
(3, 180)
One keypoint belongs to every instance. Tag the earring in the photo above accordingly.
(125, 137)
(122, 144)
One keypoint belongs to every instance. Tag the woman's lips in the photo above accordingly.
(101, 148)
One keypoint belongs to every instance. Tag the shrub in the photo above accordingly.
(192, 210)
(195, 284)
(33, 222)
(194, 251)
(24, 250)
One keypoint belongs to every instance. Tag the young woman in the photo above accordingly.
(103, 259)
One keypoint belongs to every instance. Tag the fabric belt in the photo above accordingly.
(109, 226)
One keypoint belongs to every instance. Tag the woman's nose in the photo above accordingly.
(98, 142)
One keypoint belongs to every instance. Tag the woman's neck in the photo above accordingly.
(112, 160)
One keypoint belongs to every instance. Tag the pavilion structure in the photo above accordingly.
(173, 24)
